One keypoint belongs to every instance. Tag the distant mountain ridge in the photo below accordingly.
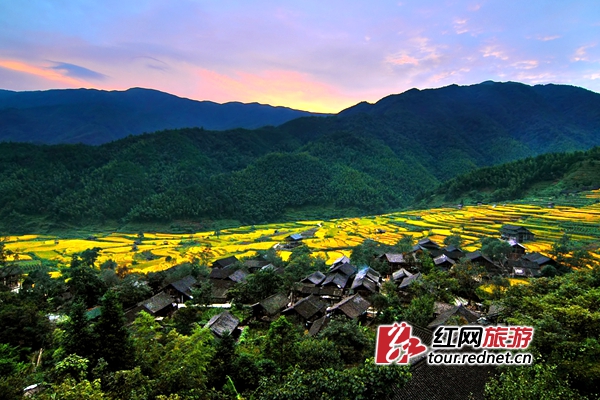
(93, 116)
(368, 159)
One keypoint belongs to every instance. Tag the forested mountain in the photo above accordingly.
(553, 174)
(96, 116)
(367, 159)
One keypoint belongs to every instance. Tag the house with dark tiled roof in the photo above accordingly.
(399, 275)
(517, 233)
(409, 280)
(460, 312)
(453, 252)
(222, 323)
(181, 290)
(316, 278)
(225, 262)
(319, 325)
(353, 307)
(159, 305)
(341, 260)
(336, 279)
(346, 269)
(271, 306)
(478, 258)
(518, 250)
(309, 308)
(540, 259)
(254, 265)
(366, 282)
(238, 276)
(444, 262)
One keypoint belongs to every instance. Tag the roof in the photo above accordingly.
(409, 280)
(338, 279)
(224, 262)
(157, 303)
(537, 258)
(275, 303)
(239, 276)
(368, 278)
(346, 268)
(94, 312)
(318, 325)
(295, 237)
(440, 307)
(394, 258)
(221, 273)
(184, 285)
(353, 306)
(308, 307)
(452, 248)
(341, 260)
(222, 323)
(443, 259)
(514, 228)
(315, 278)
(428, 243)
(400, 274)
(514, 243)
(459, 310)
(475, 255)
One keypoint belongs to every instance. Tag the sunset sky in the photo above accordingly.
(312, 55)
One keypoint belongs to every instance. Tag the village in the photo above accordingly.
(346, 290)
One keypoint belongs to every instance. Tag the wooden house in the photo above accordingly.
(271, 306)
(225, 262)
(444, 262)
(517, 233)
(308, 309)
(366, 282)
(223, 323)
(181, 290)
(159, 305)
(399, 275)
(477, 258)
(316, 278)
(352, 307)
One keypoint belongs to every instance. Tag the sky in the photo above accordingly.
(321, 56)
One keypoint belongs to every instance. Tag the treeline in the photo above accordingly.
(551, 174)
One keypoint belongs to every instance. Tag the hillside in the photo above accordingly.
(553, 176)
(368, 159)
(96, 116)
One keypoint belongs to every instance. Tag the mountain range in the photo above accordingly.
(370, 158)
(94, 117)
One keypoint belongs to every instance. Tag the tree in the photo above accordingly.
(78, 338)
(405, 244)
(257, 286)
(352, 340)
(114, 345)
(280, 343)
(455, 240)
(495, 249)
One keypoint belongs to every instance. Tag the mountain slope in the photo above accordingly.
(95, 116)
(368, 159)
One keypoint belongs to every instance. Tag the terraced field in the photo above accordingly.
(331, 239)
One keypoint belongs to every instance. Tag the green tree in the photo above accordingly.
(455, 240)
(114, 345)
(280, 343)
(78, 338)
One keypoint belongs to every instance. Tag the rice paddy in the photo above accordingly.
(330, 239)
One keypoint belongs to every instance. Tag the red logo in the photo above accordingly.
(396, 345)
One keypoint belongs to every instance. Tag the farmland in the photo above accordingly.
(330, 239)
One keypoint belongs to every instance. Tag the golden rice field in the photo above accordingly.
(332, 238)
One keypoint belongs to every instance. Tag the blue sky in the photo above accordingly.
(313, 55)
